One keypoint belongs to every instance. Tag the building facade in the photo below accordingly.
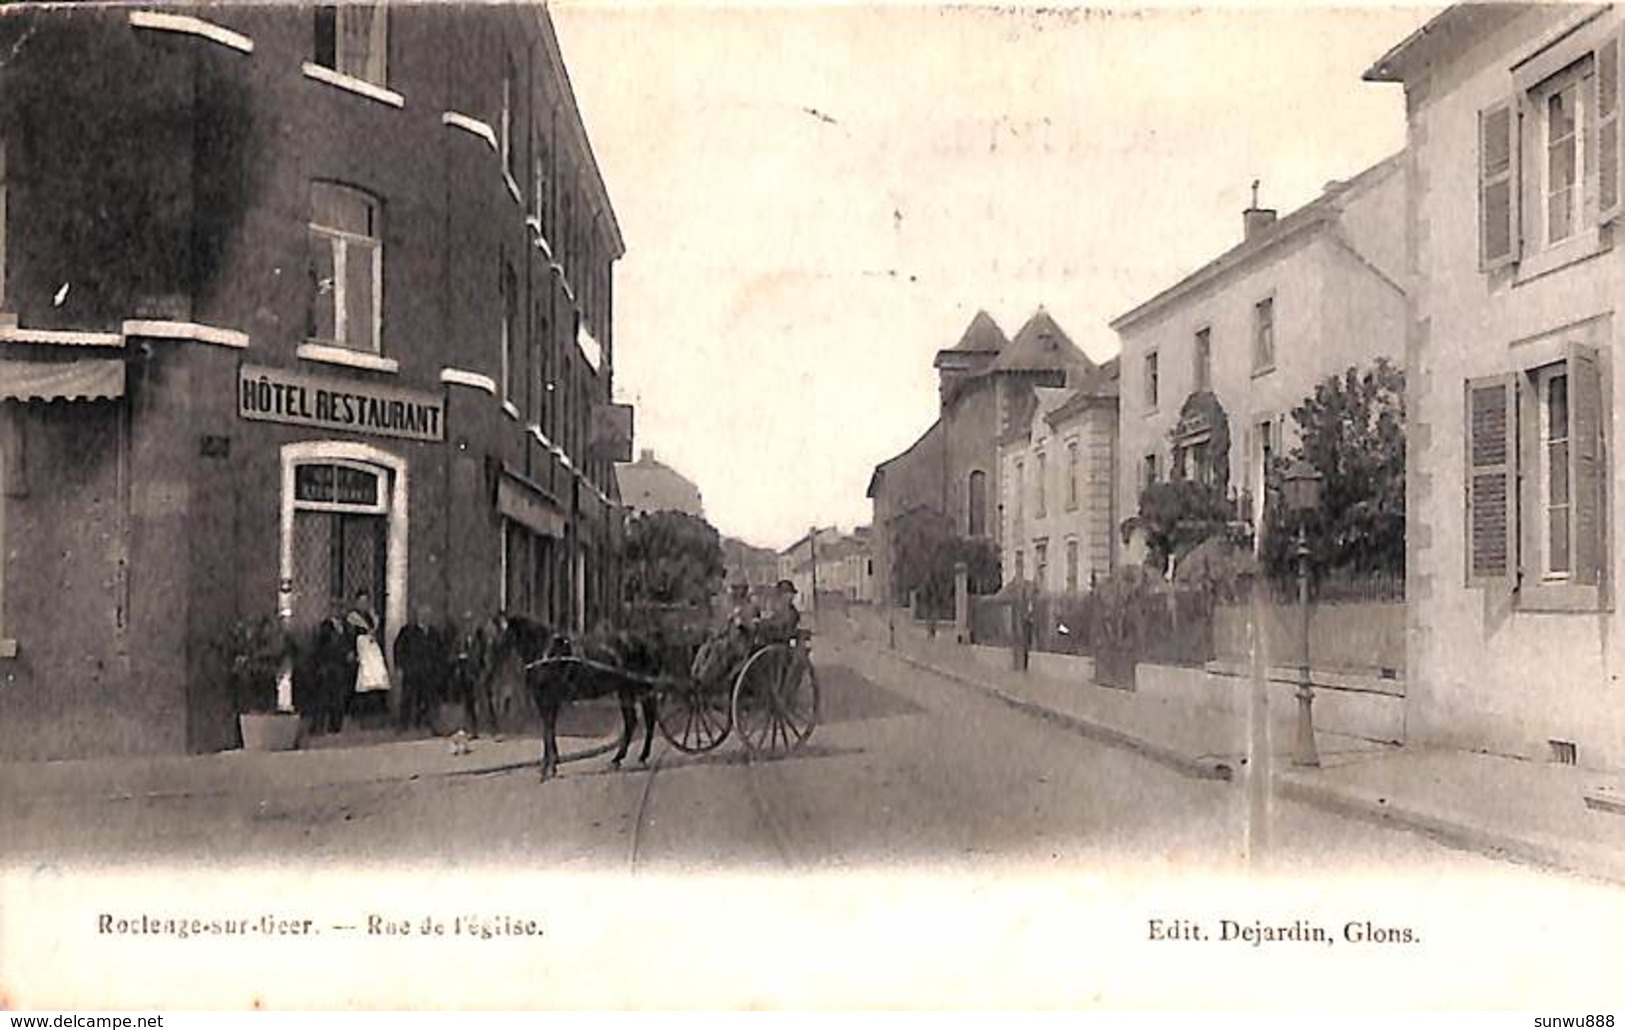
(1514, 638)
(986, 386)
(1301, 298)
(298, 301)
(1060, 521)
(651, 485)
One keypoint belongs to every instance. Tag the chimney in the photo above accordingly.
(1256, 219)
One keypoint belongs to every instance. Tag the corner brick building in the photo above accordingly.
(293, 301)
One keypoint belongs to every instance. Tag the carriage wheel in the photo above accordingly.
(695, 718)
(776, 700)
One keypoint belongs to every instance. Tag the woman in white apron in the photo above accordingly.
(371, 673)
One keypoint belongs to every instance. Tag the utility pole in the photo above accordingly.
(812, 551)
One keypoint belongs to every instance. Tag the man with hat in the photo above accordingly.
(782, 620)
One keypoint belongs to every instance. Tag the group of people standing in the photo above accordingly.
(342, 673)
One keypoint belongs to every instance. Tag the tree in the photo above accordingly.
(672, 557)
(1352, 430)
(926, 551)
(1178, 516)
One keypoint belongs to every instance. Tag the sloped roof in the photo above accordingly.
(930, 436)
(1041, 344)
(1324, 209)
(1445, 32)
(982, 335)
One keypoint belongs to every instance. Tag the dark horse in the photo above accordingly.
(621, 663)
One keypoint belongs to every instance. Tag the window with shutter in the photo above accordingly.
(1497, 186)
(1491, 478)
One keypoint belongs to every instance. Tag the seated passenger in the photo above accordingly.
(782, 620)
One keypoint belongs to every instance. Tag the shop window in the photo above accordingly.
(1535, 485)
(346, 268)
(352, 39)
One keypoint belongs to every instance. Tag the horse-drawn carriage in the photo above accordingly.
(769, 694)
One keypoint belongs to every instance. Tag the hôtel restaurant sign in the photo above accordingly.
(278, 395)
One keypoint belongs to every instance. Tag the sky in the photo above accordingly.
(816, 199)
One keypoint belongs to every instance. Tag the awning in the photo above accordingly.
(528, 507)
(85, 379)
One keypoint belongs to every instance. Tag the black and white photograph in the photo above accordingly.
(639, 504)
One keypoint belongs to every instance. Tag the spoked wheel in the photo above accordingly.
(776, 700)
(695, 718)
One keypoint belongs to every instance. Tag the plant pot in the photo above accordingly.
(269, 731)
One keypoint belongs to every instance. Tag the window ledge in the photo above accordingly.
(332, 355)
(353, 84)
(194, 331)
(1263, 370)
(188, 25)
(473, 380)
(1586, 245)
(8, 648)
(471, 125)
(1559, 598)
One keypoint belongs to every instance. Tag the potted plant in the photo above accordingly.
(253, 652)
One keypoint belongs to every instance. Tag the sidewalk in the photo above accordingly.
(257, 773)
(1527, 811)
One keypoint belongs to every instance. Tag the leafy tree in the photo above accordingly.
(1178, 516)
(1352, 430)
(672, 557)
(926, 551)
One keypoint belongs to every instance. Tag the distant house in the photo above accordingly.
(757, 567)
(1300, 298)
(1060, 525)
(985, 389)
(648, 485)
(1515, 638)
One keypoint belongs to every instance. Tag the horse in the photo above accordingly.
(553, 684)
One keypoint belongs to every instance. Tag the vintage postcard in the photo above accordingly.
(811, 506)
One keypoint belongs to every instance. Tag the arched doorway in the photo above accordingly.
(344, 523)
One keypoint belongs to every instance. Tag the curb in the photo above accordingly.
(1196, 767)
(1452, 831)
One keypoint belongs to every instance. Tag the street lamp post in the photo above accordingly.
(1301, 486)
